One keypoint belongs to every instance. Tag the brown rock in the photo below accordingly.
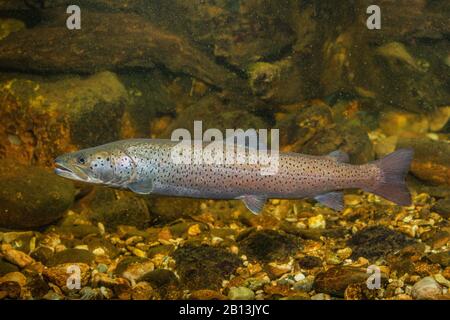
(206, 295)
(431, 161)
(44, 117)
(336, 280)
(59, 275)
(106, 42)
(16, 257)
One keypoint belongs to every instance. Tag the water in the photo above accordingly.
(363, 79)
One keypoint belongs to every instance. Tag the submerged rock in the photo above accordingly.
(6, 267)
(376, 242)
(431, 160)
(113, 208)
(427, 289)
(215, 113)
(108, 41)
(442, 207)
(241, 293)
(25, 203)
(335, 281)
(169, 209)
(71, 256)
(204, 267)
(268, 245)
(44, 117)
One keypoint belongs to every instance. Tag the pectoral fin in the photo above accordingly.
(333, 200)
(254, 203)
(144, 187)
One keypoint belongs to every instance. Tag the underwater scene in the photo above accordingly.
(346, 105)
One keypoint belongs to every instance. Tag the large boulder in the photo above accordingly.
(42, 118)
(431, 162)
(31, 197)
(107, 41)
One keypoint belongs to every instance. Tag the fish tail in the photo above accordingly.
(391, 184)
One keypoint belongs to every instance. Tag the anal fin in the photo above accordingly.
(333, 200)
(254, 203)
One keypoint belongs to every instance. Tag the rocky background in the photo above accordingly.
(141, 68)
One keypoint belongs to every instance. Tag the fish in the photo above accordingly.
(146, 166)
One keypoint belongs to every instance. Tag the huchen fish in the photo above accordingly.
(146, 166)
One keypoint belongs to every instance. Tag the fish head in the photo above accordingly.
(89, 165)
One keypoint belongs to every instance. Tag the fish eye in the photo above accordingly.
(81, 160)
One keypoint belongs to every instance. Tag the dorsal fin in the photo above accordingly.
(340, 156)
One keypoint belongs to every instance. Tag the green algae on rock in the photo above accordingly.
(204, 267)
(268, 245)
(24, 203)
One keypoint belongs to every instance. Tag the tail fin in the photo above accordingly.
(391, 184)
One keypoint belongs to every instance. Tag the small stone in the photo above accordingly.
(309, 262)
(60, 274)
(139, 253)
(305, 284)
(320, 296)
(344, 253)
(142, 291)
(352, 199)
(317, 222)
(6, 267)
(299, 277)
(14, 277)
(442, 258)
(103, 268)
(241, 293)
(87, 293)
(441, 280)
(15, 256)
(332, 258)
(99, 251)
(132, 268)
(426, 289)
(278, 269)
(442, 207)
(194, 230)
(206, 294)
(335, 280)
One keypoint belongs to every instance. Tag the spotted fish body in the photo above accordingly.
(146, 166)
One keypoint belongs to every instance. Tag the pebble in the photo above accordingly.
(241, 293)
(194, 230)
(305, 284)
(59, 274)
(142, 291)
(352, 199)
(321, 296)
(441, 280)
(14, 277)
(136, 270)
(103, 268)
(15, 256)
(426, 289)
(139, 253)
(299, 277)
(317, 222)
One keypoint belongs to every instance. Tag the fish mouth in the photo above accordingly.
(70, 172)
